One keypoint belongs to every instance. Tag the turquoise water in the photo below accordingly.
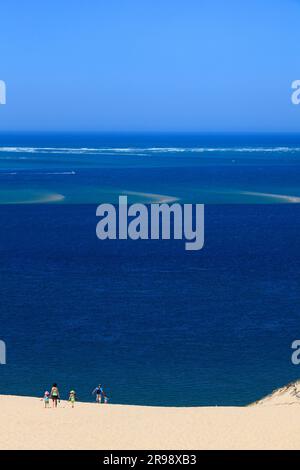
(75, 169)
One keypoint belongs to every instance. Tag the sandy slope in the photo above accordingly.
(25, 424)
(288, 395)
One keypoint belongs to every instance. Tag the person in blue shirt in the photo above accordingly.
(99, 392)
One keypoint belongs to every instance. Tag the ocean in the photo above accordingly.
(213, 169)
(155, 324)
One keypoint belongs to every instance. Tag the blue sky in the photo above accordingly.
(165, 65)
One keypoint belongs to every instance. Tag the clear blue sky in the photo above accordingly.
(166, 65)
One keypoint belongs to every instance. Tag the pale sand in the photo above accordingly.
(25, 424)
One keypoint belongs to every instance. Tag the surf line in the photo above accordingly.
(156, 221)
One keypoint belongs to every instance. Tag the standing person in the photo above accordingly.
(46, 399)
(72, 398)
(106, 399)
(98, 392)
(54, 395)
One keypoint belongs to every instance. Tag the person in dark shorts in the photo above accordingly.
(99, 393)
(54, 395)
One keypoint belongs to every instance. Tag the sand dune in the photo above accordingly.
(288, 395)
(25, 424)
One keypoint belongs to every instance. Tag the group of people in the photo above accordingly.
(54, 395)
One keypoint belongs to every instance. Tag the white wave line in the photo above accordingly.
(59, 173)
(141, 151)
(25, 172)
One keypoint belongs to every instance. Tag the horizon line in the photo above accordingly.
(173, 132)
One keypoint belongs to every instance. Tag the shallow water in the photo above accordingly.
(214, 169)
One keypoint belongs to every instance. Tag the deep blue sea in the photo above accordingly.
(153, 323)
